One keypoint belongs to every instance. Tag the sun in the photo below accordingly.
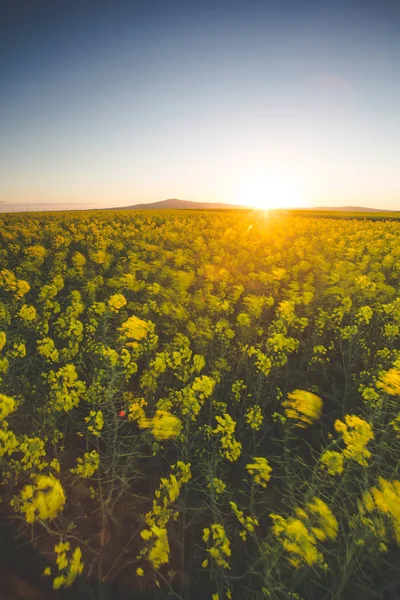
(269, 192)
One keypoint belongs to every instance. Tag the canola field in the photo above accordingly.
(203, 404)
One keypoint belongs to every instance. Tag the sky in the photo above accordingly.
(266, 102)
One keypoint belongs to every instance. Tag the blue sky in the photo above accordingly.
(119, 102)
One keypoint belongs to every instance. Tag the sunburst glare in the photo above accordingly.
(269, 191)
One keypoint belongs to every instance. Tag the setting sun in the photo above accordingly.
(268, 192)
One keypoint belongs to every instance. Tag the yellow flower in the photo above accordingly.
(327, 520)
(96, 422)
(333, 462)
(304, 407)
(70, 567)
(249, 523)
(66, 389)
(33, 450)
(23, 288)
(163, 425)
(389, 382)
(46, 348)
(356, 433)
(7, 406)
(136, 410)
(261, 470)
(27, 313)
(218, 485)
(254, 417)
(3, 339)
(386, 500)
(395, 423)
(18, 350)
(8, 442)
(88, 465)
(11, 284)
(230, 448)
(136, 329)
(78, 260)
(42, 500)
(220, 549)
(116, 302)
(139, 572)
(300, 537)
(158, 553)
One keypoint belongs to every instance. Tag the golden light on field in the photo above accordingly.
(269, 192)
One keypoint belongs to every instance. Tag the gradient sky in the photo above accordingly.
(119, 102)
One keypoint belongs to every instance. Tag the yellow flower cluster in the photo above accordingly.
(280, 346)
(27, 313)
(384, 499)
(261, 470)
(47, 348)
(8, 441)
(364, 314)
(3, 339)
(7, 406)
(18, 350)
(192, 398)
(158, 550)
(66, 389)
(389, 382)
(111, 355)
(78, 260)
(356, 433)
(42, 500)
(37, 253)
(33, 450)
(9, 283)
(96, 422)
(220, 548)
(243, 320)
(300, 535)
(167, 494)
(116, 302)
(263, 362)
(136, 409)
(395, 423)
(218, 485)
(254, 417)
(88, 465)
(230, 448)
(158, 553)
(136, 329)
(303, 407)
(249, 523)
(68, 567)
(237, 388)
(333, 462)
(163, 425)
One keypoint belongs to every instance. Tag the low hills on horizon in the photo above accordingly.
(176, 204)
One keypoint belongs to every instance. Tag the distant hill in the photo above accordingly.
(348, 209)
(174, 203)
